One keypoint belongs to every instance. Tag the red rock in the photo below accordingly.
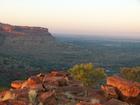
(115, 102)
(47, 98)
(57, 74)
(87, 103)
(55, 79)
(16, 84)
(33, 82)
(127, 88)
(128, 91)
(6, 95)
(60, 89)
(16, 102)
(84, 103)
(55, 82)
(97, 94)
(110, 92)
(3, 103)
(76, 89)
(62, 100)
(11, 28)
(20, 93)
(41, 76)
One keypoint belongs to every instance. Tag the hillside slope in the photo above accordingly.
(35, 42)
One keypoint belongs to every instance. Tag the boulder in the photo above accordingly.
(84, 103)
(33, 82)
(20, 93)
(128, 91)
(47, 98)
(57, 74)
(16, 84)
(14, 94)
(127, 88)
(57, 88)
(7, 95)
(16, 102)
(87, 103)
(55, 79)
(73, 89)
(110, 92)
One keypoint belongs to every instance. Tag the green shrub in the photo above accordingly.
(131, 73)
(87, 74)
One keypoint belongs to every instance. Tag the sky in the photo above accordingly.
(116, 18)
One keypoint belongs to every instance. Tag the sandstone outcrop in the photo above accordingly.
(16, 84)
(59, 88)
(110, 91)
(127, 88)
(23, 30)
(127, 91)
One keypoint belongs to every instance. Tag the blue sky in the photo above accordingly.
(100, 17)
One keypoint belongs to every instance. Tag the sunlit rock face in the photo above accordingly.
(128, 91)
(127, 88)
(23, 30)
(109, 91)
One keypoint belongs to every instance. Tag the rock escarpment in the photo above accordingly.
(122, 89)
(23, 30)
(59, 88)
(21, 39)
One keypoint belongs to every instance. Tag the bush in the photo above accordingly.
(131, 73)
(87, 74)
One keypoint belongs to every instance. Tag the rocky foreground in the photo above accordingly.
(59, 88)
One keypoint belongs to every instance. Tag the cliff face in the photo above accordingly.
(17, 34)
(23, 30)
(21, 39)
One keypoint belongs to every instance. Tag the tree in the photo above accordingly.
(87, 74)
(131, 73)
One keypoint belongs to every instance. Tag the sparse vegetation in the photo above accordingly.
(63, 54)
(131, 73)
(87, 74)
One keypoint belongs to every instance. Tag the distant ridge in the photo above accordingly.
(7, 29)
(34, 42)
